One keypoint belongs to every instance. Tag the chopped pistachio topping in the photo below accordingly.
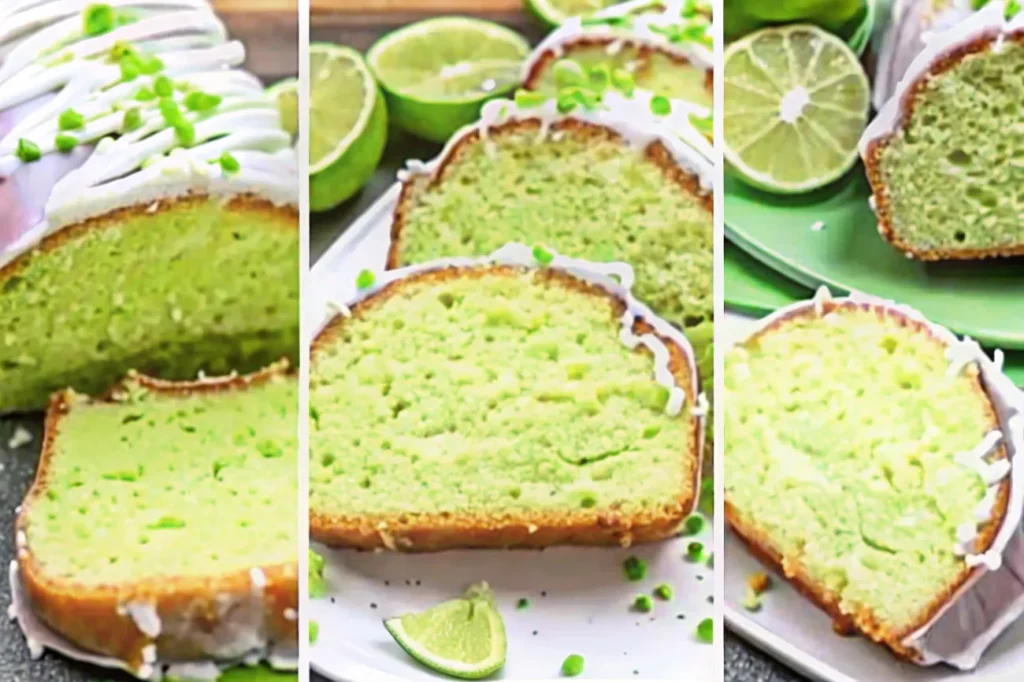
(526, 99)
(567, 72)
(523, 603)
(693, 525)
(150, 64)
(572, 666)
(167, 522)
(365, 279)
(201, 101)
(130, 68)
(28, 151)
(65, 142)
(163, 86)
(660, 105)
(706, 631)
(542, 255)
(229, 163)
(643, 603)
(186, 132)
(635, 569)
(663, 592)
(566, 101)
(132, 119)
(622, 81)
(695, 552)
(97, 20)
(70, 120)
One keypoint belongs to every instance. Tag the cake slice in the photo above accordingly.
(875, 475)
(148, 199)
(161, 525)
(944, 154)
(495, 404)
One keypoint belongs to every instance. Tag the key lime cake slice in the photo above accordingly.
(658, 54)
(501, 402)
(869, 457)
(944, 155)
(147, 200)
(161, 525)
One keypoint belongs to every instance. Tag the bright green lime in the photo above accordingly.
(796, 103)
(744, 16)
(554, 12)
(347, 125)
(461, 638)
(437, 73)
(286, 94)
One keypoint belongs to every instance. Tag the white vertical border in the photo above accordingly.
(304, 336)
(719, 360)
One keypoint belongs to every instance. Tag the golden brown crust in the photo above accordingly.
(873, 157)
(433, 532)
(792, 568)
(284, 215)
(655, 152)
(92, 616)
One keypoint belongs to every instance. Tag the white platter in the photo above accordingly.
(579, 597)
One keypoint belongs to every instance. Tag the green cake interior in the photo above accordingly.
(199, 286)
(652, 71)
(161, 485)
(841, 437)
(491, 393)
(585, 196)
(955, 172)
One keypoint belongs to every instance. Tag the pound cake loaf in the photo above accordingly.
(943, 155)
(147, 200)
(495, 403)
(868, 458)
(161, 525)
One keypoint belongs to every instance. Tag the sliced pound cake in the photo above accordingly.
(866, 459)
(944, 154)
(147, 200)
(161, 525)
(499, 405)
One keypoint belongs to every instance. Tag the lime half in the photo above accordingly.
(286, 94)
(347, 125)
(437, 73)
(796, 103)
(555, 12)
(461, 638)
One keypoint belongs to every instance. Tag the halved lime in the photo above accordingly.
(461, 638)
(437, 73)
(796, 103)
(555, 12)
(348, 124)
(286, 94)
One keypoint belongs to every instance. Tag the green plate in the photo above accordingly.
(984, 299)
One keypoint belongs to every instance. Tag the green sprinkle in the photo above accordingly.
(365, 280)
(163, 86)
(269, 449)
(145, 95)
(705, 125)
(130, 68)
(317, 584)
(643, 603)
(1013, 8)
(568, 73)
(28, 151)
(572, 666)
(542, 255)
(229, 163)
(132, 119)
(663, 592)
(70, 120)
(587, 98)
(695, 552)
(635, 569)
(170, 111)
(186, 133)
(752, 602)
(200, 101)
(65, 142)
(689, 9)
(523, 603)
(622, 81)
(599, 77)
(693, 525)
(120, 50)
(660, 105)
(567, 101)
(617, 22)
(150, 64)
(97, 20)
(706, 631)
(167, 522)
(526, 99)
(314, 631)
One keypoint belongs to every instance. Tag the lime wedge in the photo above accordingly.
(555, 12)
(348, 125)
(286, 94)
(796, 103)
(437, 73)
(462, 638)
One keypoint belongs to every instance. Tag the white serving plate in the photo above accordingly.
(798, 633)
(585, 605)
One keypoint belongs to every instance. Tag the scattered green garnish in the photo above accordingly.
(695, 552)
(542, 255)
(170, 111)
(643, 603)
(201, 101)
(660, 105)
(616, 22)
(132, 119)
(693, 525)
(130, 68)
(166, 522)
(1013, 8)
(663, 592)
(150, 64)
(568, 73)
(365, 279)
(229, 163)
(525, 99)
(145, 95)
(65, 142)
(706, 630)
(566, 101)
(523, 603)
(623, 81)
(317, 584)
(163, 86)
(705, 125)
(635, 569)
(186, 133)
(314, 631)
(28, 151)
(97, 20)
(599, 77)
(70, 119)
(572, 666)
(752, 602)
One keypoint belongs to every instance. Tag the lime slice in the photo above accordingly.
(461, 638)
(796, 103)
(555, 12)
(437, 73)
(286, 94)
(348, 124)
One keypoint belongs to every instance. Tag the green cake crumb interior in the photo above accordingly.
(585, 196)
(493, 393)
(160, 485)
(955, 172)
(841, 438)
(199, 286)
